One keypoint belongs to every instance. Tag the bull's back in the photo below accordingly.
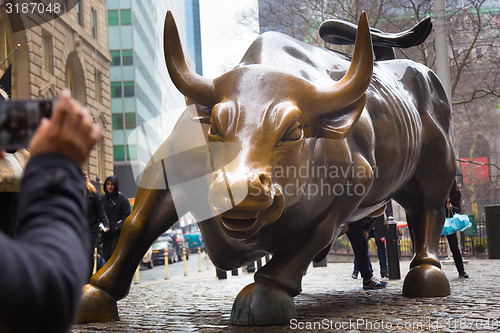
(406, 102)
(315, 64)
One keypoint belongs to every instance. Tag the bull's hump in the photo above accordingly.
(286, 54)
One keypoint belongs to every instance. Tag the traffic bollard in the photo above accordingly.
(393, 250)
(95, 261)
(137, 274)
(184, 259)
(199, 259)
(165, 252)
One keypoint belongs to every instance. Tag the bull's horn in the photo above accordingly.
(189, 83)
(357, 79)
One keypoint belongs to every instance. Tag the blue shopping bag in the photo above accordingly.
(456, 223)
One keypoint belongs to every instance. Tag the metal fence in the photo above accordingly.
(473, 243)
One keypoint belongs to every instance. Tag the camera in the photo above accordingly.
(19, 120)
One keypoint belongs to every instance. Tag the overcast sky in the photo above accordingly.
(224, 38)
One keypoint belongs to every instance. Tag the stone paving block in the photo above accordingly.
(330, 300)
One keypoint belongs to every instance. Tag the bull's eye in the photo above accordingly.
(294, 133)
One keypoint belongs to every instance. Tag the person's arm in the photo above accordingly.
(44, 269)
(125, 209)
(101, 214)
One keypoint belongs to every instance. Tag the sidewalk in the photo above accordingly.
(330, 300)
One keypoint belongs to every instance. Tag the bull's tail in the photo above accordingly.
(344, 33)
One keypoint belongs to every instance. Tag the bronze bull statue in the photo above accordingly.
(289, 119)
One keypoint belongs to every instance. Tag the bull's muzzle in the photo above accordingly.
(245, 202)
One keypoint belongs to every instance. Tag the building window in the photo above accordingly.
(47, 53)
(70, 82)
(79, 13)
(101, 158)
(115, 58)
(127, 57)
(94, 23)
(98, 86)
(125, 17)
(130, 122)
(131, 152)
(117, 119)
(128, 89)
(119, 153)
(116, 89)
(113, 17)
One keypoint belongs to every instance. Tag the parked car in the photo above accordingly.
(163, 243)
(178, 243)
(194, 241)
(147, 260)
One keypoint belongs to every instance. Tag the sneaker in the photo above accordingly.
(374, 283)
(463, 275)
(354, 275)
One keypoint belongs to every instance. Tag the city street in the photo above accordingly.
(157, 273)
(331, 299)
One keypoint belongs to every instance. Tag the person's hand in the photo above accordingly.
(2, 154)
(69, 131)
(106, 229)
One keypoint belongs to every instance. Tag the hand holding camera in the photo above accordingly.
(69, 131)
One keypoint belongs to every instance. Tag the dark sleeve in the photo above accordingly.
(44, 269)
(100, 213)
(125, 208)
(455, 209)
(388, 209)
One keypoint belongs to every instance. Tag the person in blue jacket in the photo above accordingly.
(45, 266)
(454, 206)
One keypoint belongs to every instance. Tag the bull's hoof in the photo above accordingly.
(96, 305)
(426, 281)
(262, 304)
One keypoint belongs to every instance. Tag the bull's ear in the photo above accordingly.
(339, 124)
(198, 112)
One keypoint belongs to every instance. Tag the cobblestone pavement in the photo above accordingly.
(330, 299)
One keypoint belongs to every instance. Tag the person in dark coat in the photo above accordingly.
(45, 266)
(117, 208)
(96, 217)
(454, 206)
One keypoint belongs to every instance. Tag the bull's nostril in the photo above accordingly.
(265, 179)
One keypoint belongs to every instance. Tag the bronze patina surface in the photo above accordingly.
(378, 130)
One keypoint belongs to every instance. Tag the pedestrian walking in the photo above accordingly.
(357, 233)
(454, 206)
(117, 208)
(96, 217)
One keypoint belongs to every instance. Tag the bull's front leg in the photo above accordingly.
(269, 300)
(153, 213)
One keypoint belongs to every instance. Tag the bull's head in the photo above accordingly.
(272, 117)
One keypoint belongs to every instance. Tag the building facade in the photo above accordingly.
(69, 51)
(141, 90)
